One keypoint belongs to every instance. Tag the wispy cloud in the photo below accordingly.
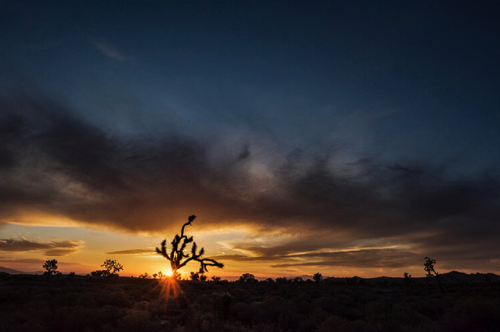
(53, 248)
(131, 252)
(108, 50)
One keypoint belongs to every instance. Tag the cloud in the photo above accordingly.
(108, 50)
(368, 258)
(36, 265)
(131, 252)
(54, 248)
(55, 164)
(21, 260)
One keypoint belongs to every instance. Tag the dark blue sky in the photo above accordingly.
(403, 80)
(378, 99)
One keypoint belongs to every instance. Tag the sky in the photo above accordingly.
(346, 138)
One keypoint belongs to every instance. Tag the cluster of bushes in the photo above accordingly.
(125, 304)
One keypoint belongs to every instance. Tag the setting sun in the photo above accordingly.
(168, 273)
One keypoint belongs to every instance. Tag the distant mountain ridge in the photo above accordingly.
(453, 277)
(12, 271)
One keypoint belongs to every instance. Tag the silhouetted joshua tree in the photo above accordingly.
(178, 259)
(429, 268)
(51, 267)
(318, 277)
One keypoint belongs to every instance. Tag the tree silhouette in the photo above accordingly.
(429, 268)
(195, 276)
(318, 277)
(178, 259)
(51, 267)
(111, 267)
(247, 278)
(408, 281)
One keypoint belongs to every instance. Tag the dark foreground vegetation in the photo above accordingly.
(72, 303)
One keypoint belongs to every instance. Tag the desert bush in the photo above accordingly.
(386, 316)
(270, 309)
(472, 315)
(138, 321)
(339, 324)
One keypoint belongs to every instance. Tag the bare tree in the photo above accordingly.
(195, 276)
(408, 281)
(51, 267)
(429, 268)
(178, 259)
(318, 277)
(247, 278)
(112, 267)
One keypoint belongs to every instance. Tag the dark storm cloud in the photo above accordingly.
(54, 163)
(369, 258)
(54, 248)
(364, 258)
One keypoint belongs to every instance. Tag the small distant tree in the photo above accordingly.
(145, 276)
(429, 268)
(270, 281)
(155, 275)
(111, 268)
(298, 280)
(51, 267)
(195, 276)
(407, 280)
(97, 273)
(317, 277)
(160, 275)
(215, 279)
(203, 277)
(247, 278)
(178, 259)
(282, 280)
